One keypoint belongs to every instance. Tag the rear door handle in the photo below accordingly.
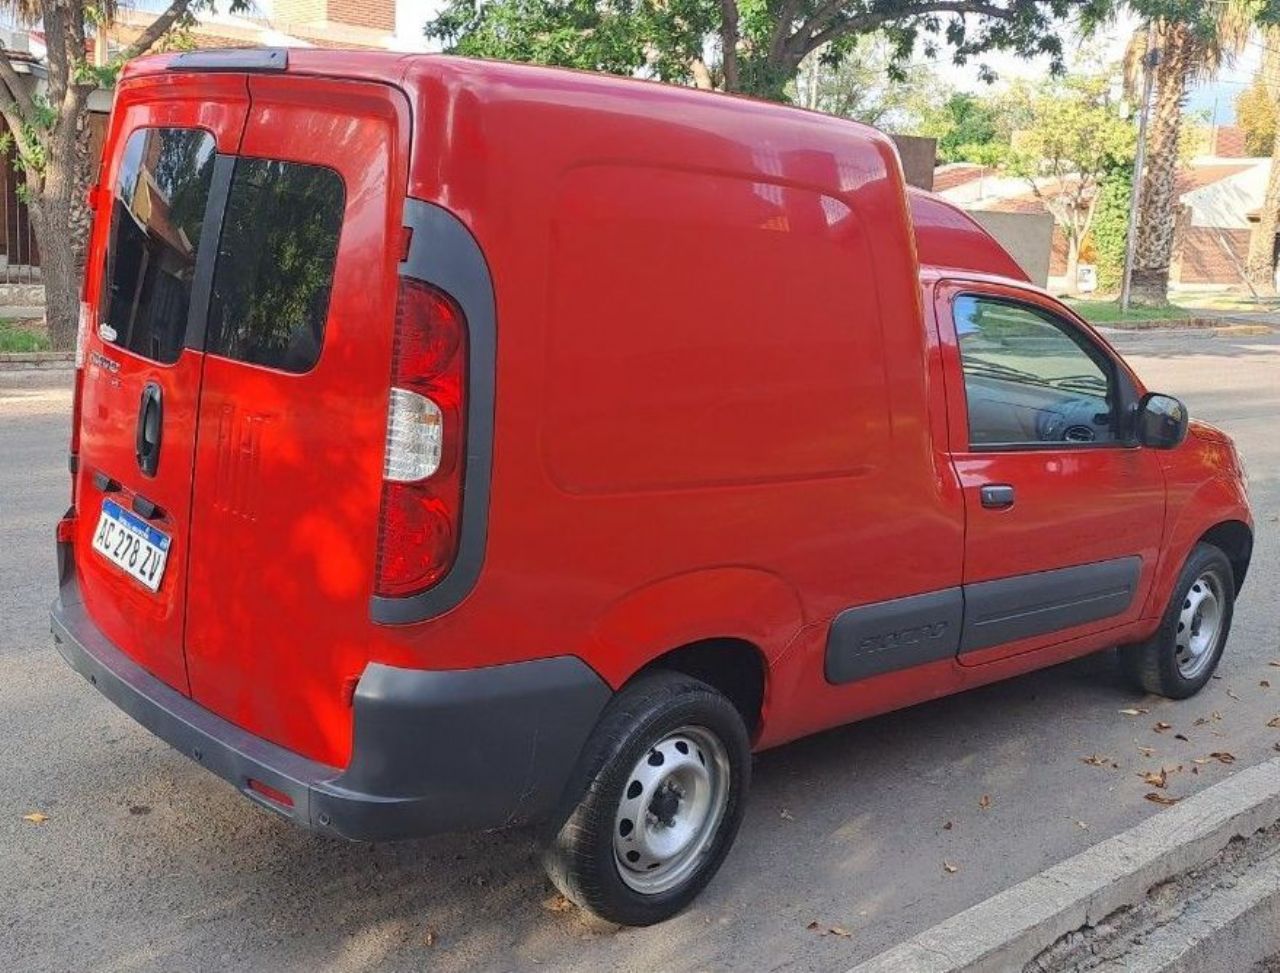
(150, 424)
(997, 496)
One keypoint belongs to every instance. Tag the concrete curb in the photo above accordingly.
(1010, 929)
(21, 361)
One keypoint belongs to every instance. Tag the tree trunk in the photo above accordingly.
(59, 219)
(1073, 264)
(1260, 268)
(1157, 215)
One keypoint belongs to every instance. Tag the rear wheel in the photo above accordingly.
(1184, 652)
(657, 801)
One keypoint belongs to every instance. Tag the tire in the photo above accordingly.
(1181, 657)
(665, 726)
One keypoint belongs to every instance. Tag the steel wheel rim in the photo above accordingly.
(1199, 626)
(671, 807)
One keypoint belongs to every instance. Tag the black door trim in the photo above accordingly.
(1027, 605)
(888, 636)
(207, 252)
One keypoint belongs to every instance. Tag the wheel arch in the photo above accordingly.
(1235, 539)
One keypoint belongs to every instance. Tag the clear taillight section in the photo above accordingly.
(423, 467)
(415, 437)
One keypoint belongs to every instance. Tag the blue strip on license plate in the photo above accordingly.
(117, 512)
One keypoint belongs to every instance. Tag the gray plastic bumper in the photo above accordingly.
(432, 751)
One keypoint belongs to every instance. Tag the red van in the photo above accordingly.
(461, 445)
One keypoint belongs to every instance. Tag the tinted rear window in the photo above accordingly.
(275, 264)
(158, 210)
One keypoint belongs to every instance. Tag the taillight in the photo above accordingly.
(423, 469)
(82, 339)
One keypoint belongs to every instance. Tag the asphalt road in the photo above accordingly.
(148, 863)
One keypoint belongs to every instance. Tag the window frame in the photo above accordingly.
(1118, 376)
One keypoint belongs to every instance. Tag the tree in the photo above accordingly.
(758, 45)
(1260, 264)
(1192, 39)
(1077, 137)
(48, 134)
(860, 86)
(1256, 114)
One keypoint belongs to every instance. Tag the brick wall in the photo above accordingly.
(374, 14)
(1203, 259)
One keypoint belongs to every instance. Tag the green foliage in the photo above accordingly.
(1074, 130)
(1110, 229)
(1256, 111)
(860, 87)
(15, 337)
(682, 40)
(966, 127)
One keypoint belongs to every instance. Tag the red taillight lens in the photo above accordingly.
(423, 470)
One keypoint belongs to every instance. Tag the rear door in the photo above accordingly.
(293, 413)
(154, 234)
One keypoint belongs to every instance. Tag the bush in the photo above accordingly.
(1111, 226)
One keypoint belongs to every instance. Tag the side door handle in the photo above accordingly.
(150, 425)
(997, 496)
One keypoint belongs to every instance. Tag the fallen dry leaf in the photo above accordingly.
(786, 815)
(36, 817)
(1082, 826)
(1275, 746)
(1182, 737)
(1223, 758)
(1097, 760)
(429, 937)
(557, 903)
(1162, 726)
(947, 827)
(1147, 751)
(840, 931)
(1154, 779)
(812, 925)
(1233, 695)
(1265, 684)
(1201, 722)
(949, 868)
(1275, 664)
(1134, 711)
(1274, 723)
(1155, 798)
(984, 802)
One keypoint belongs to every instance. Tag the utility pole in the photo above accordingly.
(1149, 61)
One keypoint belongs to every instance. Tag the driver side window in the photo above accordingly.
(1028, 381)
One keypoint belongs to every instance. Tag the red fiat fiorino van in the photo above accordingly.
(460, 445)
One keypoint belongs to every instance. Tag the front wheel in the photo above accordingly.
(658, 798)
(1184, 652)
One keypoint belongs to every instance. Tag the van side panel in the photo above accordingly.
(710, 354)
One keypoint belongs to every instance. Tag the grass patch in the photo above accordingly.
(18, 336)
(1108, 312)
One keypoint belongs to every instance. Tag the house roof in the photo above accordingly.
(955, 174)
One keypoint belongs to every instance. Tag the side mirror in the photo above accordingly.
(1161, 421)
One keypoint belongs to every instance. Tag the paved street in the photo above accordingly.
(148, 863)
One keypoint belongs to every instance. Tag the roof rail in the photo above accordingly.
(232, 59)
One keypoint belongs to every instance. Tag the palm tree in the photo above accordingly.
(1260, 267)
(1187, 51)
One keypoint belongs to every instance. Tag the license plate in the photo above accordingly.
(131, 544)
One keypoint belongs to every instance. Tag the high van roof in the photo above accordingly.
(781, 142)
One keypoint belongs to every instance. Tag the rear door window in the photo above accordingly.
(158, 209)
(275, 264)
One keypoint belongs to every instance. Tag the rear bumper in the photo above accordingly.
(433, 751)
